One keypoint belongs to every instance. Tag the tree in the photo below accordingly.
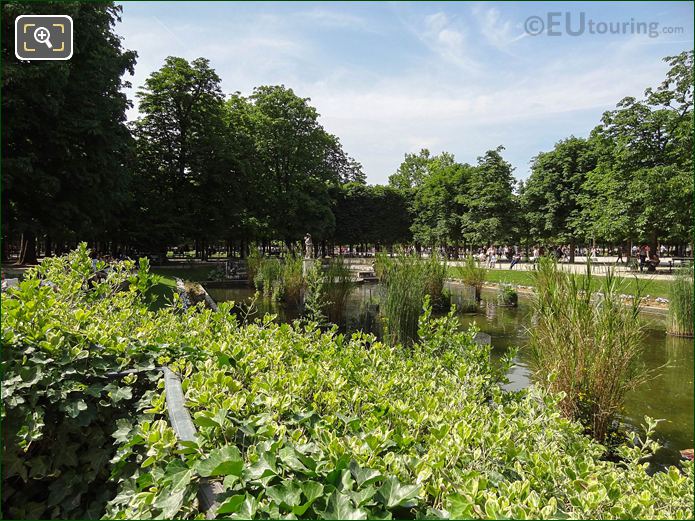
(412, 171)
(489, 217)
(65, 145)
(551, 197)
(296, 163)
(642, 186)
(187, 177)
(440, 201)
(371, 214)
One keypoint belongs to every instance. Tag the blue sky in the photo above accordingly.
(391, 78)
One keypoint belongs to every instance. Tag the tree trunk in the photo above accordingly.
(27, 254)
(5, 250)
(572, 247)
(47, 246)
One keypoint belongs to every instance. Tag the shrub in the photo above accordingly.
(588, 349)
(217, 273)
(472, 274)
(507, 295)
(315, 301)
(680, 305)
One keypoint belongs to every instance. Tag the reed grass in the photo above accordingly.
(680, 306)
(435, 274)
(337, 286)
(472, 274)
(292, 279)
(404, 283)
(587, 348)
(268, 277)
(253, 261)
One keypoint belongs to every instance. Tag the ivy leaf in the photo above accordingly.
(170, 502)
(222, 462)
(121, 434)
(393, 494)
(73, 408)
(286, 495)
(363, 476)
(178, 475)
(121, 393)
(231, 504)
(340, 507)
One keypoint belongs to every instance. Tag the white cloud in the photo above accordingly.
(445, 98)
(497, 32)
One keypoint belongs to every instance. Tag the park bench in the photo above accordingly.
(679, 262)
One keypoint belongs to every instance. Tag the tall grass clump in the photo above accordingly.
(338, 284)
(292, 279)
(268, 277)
(381, 263)
(404, 283)
(680, 306)
(253, 261)
(587, 348)
(472, 274)
(435, 275)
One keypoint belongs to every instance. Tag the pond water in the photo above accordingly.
(669, 395)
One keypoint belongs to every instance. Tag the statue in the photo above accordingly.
(308, 247)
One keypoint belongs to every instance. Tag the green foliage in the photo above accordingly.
(440, 202)
(404, 288)
(268, 278)
(66, 145)
(491, 206)
(315, 301)
(642, 186)
(551, 196)
(253, 261)
(588, 348)
(292, 279)
(472, 274)
(60, 407)
(338, 284)
(435, 274)
(291, 421)
(680, 304)
(371, 214)
(507, 295)
(187, 178)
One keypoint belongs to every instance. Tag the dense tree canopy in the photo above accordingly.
(186, 182)
(65, 145)
(550, 200)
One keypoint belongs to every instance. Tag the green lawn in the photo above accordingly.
(652, 287)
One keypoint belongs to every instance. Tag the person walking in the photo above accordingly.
(643, 255)
(620, 255)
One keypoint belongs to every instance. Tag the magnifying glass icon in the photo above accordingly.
(42, 35)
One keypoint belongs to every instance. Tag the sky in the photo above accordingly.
(390, 78)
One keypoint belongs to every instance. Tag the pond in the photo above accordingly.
(669, 395)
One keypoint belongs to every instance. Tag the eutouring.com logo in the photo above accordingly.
(559, 23)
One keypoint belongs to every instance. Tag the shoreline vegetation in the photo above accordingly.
(291, 419)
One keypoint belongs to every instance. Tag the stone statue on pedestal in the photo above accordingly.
(308, 247)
